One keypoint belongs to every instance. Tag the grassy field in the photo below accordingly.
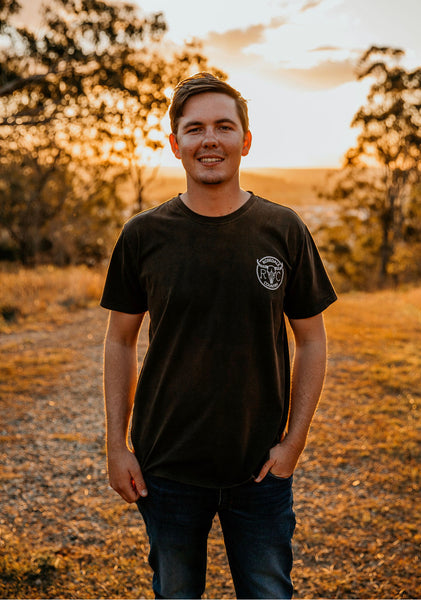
(297, 188)
(65, 534)
(292, 187)
(45, 293)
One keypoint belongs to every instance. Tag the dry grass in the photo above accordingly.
(360, 474)
(64, 534)
(292, 187)
(45, 293)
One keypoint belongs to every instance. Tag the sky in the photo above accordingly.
(294, 61)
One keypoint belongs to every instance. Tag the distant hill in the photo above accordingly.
(296, 188)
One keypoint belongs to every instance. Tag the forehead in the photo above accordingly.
(210, 106)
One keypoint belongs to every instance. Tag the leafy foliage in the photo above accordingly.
(87, 94)
(380, 203)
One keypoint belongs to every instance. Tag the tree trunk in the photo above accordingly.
(387, 247)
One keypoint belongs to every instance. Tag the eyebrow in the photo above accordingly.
(218, 122)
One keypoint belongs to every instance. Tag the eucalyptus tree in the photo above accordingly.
(377, 190)
(94, 83)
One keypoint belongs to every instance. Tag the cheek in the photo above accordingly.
(188, 147)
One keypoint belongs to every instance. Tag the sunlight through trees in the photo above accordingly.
(81, 105)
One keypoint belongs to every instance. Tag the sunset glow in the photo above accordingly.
(294, 61)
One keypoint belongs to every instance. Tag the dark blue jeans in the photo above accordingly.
(257, 521)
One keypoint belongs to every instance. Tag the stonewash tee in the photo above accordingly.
(213, 392)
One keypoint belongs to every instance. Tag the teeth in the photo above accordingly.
(210, 160)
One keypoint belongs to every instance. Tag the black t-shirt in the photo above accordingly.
(213, 392)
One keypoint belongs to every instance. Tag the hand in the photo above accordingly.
(282, 460)
(125, 476)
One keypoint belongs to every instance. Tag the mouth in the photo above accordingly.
(210, 160)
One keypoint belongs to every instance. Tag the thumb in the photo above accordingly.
(265, 470)
(138, 483)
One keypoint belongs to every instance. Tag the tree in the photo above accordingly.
(53, 206)
(27, 181)
(375, 188)
(95, 83)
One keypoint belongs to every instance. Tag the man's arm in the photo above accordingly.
(307, 382)
(120, 376)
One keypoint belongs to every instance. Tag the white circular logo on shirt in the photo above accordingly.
(270, 272)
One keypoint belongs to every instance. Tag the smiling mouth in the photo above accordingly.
(205, 160)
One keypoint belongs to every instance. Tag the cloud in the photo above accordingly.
(324, 75)
(310, 4)
(236, 40)
(326, 49)
(322, 67)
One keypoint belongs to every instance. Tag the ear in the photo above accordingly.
(174, 145)
(246, 143)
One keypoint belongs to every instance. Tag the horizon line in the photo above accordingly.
(257, 168)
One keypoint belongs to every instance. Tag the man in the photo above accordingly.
(216, 428)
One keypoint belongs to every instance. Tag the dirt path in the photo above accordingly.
(64, 533)
(57, 509)
(53, 430)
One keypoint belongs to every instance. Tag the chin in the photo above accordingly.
(213, 182)
(211, 179)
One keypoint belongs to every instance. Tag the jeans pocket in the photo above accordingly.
(276, 477)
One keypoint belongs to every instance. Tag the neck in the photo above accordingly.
(214, 200)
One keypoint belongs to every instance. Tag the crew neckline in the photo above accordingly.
(215, 220)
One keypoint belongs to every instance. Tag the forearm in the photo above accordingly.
(120, 374)
(307, 382)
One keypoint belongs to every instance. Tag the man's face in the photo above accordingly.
(210, 140)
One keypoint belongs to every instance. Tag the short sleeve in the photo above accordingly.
(309, 290)
(122, 290)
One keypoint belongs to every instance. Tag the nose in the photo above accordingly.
(209, 138)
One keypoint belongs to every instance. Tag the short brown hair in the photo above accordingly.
(199, 84)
